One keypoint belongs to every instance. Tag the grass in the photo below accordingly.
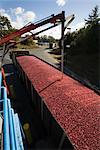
(21, 46)
(84, 65)
(55, 51)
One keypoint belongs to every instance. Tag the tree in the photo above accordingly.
(27, 41)
(5, 25)
(51, 39)
(93, 18)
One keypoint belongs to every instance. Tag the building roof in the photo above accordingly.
(74, 106)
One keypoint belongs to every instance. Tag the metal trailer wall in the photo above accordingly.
(52, 127)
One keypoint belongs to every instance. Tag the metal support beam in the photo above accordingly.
(11, 127)
(6, 135)
(62, 43)
(15, 132)
(61, 141)
(19, 136)
(41, 109)
(0, 83)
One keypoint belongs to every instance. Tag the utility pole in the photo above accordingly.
(63, 28)
(62, 42)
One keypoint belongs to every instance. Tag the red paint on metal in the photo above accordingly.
(74, 106)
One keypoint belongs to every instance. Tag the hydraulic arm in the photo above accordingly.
(51, 19)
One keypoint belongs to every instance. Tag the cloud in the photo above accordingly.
(29, 16)
(61, 2)
(18, 23)
(19, 10)
(18, 16)
(4, 13)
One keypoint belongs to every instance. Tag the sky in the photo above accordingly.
(20, 12)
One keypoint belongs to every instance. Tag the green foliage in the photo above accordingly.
(5, 23)
(5, 26)
(46, 38)
(6, 32)
(28, 41)
(86, 40)
(43, 39)
(93, 17)
(51, 39)
(83, 55)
